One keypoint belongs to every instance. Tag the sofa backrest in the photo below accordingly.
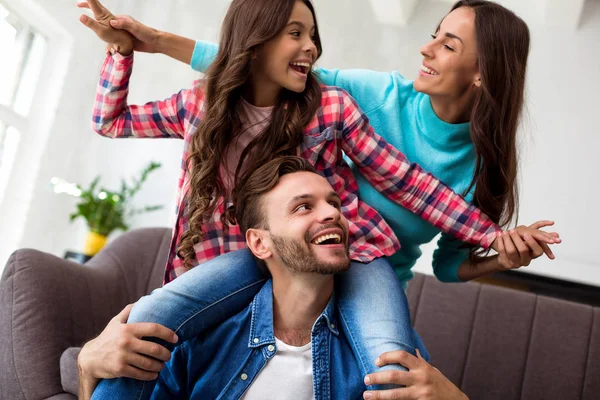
(499, 343)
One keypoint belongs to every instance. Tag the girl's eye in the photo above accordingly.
(434, 37)
(295, 33)
(448, 47)
(336, 205)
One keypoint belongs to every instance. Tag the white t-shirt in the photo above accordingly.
(286, 376)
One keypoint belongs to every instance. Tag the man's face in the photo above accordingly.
(307, 231)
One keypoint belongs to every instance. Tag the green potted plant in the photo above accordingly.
(105, 210)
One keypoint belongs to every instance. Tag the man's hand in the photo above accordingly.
(119, 350)
(421, 381)
(100, 24)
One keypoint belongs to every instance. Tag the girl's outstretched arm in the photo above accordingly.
(410, 186)
(114, 117)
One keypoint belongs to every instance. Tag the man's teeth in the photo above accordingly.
(429, 71)
(323, 238)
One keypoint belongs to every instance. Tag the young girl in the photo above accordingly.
(259, 101)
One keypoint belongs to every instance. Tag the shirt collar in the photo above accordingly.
(261, 325)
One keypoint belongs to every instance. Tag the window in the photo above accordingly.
(36, 51)
(23, 50)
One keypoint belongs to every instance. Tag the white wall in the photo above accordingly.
(560, 136)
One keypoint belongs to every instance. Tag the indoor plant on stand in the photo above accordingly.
(105, 210)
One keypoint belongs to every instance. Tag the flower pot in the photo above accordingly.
(94, 242)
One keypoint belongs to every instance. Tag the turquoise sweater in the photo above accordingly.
(405, 119)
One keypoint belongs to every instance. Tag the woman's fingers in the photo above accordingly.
(541, 224)
(541, 236)
(500, 244)
(542, 239)
(547, 250)
(511, 250)
(97, 8)
(94, 25)
(534, 246)
(522, 248)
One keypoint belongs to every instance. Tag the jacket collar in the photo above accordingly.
(261, 325)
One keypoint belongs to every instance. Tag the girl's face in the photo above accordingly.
(286, 60)
(449, 66)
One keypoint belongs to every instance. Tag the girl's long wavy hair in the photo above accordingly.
(247, 25)
(503, 47)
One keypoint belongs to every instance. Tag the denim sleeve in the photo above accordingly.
(204, 54)
(448, 257)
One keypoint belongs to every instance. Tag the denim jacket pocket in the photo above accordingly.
(314, 140)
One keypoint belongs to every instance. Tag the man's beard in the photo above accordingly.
(300, 257)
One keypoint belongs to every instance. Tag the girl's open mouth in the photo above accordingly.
(301, 67)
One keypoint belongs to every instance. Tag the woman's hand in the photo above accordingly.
(120, 40)
(145, 39)
(518, 247)
(421, 381)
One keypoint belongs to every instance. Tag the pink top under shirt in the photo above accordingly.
(254, 121)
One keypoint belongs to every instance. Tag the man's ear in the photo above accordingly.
(259, 243)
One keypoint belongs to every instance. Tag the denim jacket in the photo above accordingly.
(223, 362)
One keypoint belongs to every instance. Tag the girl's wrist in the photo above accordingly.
(124, 49)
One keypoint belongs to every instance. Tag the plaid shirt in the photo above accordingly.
(339, 126)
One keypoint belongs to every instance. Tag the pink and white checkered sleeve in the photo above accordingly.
(114, 118)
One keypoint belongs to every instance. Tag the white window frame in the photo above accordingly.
(34, 129)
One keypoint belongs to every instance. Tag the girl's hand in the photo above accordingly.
(421, 381)
(518, 247)
(100, 24)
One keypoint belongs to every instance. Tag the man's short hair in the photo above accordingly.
(249, 212)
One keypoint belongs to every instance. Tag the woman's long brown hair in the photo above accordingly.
(247, 25)
(502, 47)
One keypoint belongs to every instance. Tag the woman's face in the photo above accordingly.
(449, 65)
(286, 60)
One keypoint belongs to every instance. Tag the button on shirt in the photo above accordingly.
(226, 362)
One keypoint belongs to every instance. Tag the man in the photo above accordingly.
(286, 344)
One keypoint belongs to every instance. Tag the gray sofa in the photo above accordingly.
(494, 343)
